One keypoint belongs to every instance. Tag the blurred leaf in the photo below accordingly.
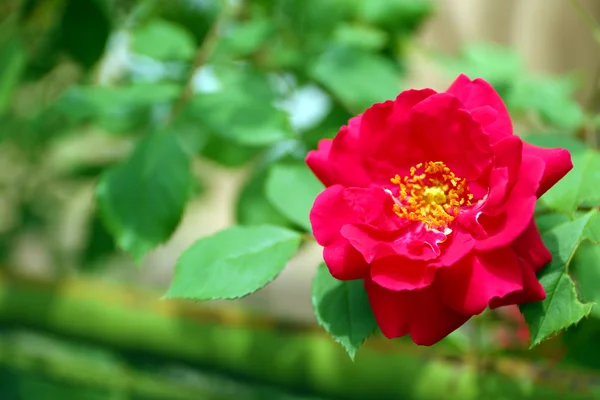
(292, 189)
(116, 109)
(99, 243)
(356, 77)
(561, 308)
(227, 152)
(85, 29)
(247, 37)
(12, 64)
(142, 200)
(232, 263)
(498, 65)
(580, 187)
(327, 128)
(399, 15)
(252, 206)
(550, 97)
(343, 309)
(240, 107)
(360, 36)
(165, 41)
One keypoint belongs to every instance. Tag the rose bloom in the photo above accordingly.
(429, 198)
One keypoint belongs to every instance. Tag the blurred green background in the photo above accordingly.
(209, 108)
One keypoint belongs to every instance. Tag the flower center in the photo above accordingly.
(431, 194)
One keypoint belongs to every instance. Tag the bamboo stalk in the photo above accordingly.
(299, 357)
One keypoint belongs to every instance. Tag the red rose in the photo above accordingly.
(430, 200)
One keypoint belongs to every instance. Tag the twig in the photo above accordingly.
(206, 49)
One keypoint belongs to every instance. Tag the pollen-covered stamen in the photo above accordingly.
(431, 194)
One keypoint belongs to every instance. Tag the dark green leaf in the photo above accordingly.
(292, 189)
(232, 263)
(343, 309)
(12, 64)
(85, 29)
(142, 200)
(356, 77)
(245, 97)
(561, 308)
(164, 41)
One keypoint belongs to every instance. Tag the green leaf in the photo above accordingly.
(356, 77)
(360, 36)
(551, 97)
(586, 270)
(164, 41)
(142, 200)
(116, 109)
(343, 309)
(580, 187)
(496, 64)
(403, 15)
(242, 108)
(561, 308)
(246, 38)
(252, 206)
(232, 263)
(292, 189)
(12, 64)
(85, 28)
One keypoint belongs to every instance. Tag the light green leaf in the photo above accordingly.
(142, 200)
(232, 263)
(551, 97)
(242, 108)
(356, 77)
(580, 187)
(561, 308)
(586, 270)
(164, 41)
(343, 309)
(247, 37)
(496, 64)
(360, 36)
(292, 189)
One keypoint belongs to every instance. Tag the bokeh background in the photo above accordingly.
(82, 81)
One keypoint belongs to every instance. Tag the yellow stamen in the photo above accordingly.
(432, 197)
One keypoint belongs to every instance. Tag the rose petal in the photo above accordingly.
(329, 213)
(504, 227)
(447, 133)
(318, 162)
(458, 245)
(399, 273)
(431, 320)
(418, 312)
(391, 309)
(478, 93)
(557, 164)
(470, 285)
(344, 261)
(532, 290)
(410, 241)
(531, 249)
